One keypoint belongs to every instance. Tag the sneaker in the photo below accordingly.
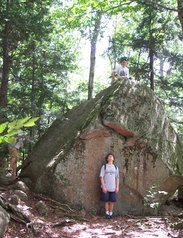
(107, 216)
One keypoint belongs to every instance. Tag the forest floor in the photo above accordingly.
(60, 221)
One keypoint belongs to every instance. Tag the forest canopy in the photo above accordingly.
(42, 45)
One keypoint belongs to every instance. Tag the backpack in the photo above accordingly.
(114, 165)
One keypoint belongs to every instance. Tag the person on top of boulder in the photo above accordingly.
(121, 71)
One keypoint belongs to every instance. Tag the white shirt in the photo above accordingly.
(19, 144)
(110, 173)
(122, 71)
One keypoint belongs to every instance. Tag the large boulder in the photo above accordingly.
(126, 119)
(4, 221)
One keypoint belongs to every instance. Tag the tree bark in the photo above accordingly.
(6, 65)
(180, 12)
(151, 66)
(151, 53)
(137, 76)
(4, 85)
(92, 69)
(93, 41)
(33, 84)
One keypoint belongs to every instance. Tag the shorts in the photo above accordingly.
(108, 197)
(13, 152)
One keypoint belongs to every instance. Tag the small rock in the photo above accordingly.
(14, 199)
(42, 208)
(20, 185)
(4, 221)
(170, 210)
(22, 195)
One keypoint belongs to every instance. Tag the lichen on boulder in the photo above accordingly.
(127, 119)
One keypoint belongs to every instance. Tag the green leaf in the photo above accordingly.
(70, 19)
(18, 124)
(12, 124)
(3, 127)
(11, 140)
(31, 122)
(13, 132)
(16, 127)
(23, 120)
(1, 139)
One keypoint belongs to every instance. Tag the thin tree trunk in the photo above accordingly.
(32, 96)
(161, 66)
(137, 66)
(6, 65)
(151, 53)
(33, 84)
(115, 52)
(4, 86)
(151, 65)
(180, 12)
(114, 44)
(92, 69)
(93, 40)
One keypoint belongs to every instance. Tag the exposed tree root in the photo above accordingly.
(17, 215)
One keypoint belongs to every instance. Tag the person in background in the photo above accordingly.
(122, 70)
(14, 152)
(109, 178)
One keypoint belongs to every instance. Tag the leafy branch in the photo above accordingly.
(152, 198)
(8, 130)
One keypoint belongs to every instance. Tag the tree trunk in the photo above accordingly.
(33, 84)
(151, 53)
(137, 76)
(180, 12)
(32, 96)
(151, 65)
(6, 65)
(4, 86)
(3, 156)
(161, 71)
(115, 52)
(92, 69)
(93, 41)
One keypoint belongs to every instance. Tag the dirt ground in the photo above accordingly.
(60, 221)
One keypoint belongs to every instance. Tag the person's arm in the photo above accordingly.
(115, 71)
(117, 184)
(103, 184)
(127, 73)
(113, 74)
(102, 173)
(117, 180)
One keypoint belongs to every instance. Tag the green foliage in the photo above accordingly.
(44, 40)
(9, 129)
(153, 27)
(42, 52)
(152, 197)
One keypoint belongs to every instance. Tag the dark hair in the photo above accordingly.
(123, 59)
(108, 156)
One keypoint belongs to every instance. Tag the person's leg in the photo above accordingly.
(13, 165)
(112, 200)
(111, 206)
(104, 197)
(14, 155)
(107, 207)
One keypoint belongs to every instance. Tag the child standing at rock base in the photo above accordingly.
(109, 178)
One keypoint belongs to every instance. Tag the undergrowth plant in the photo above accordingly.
(152, 198)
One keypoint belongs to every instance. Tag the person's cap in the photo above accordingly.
(123, 59)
